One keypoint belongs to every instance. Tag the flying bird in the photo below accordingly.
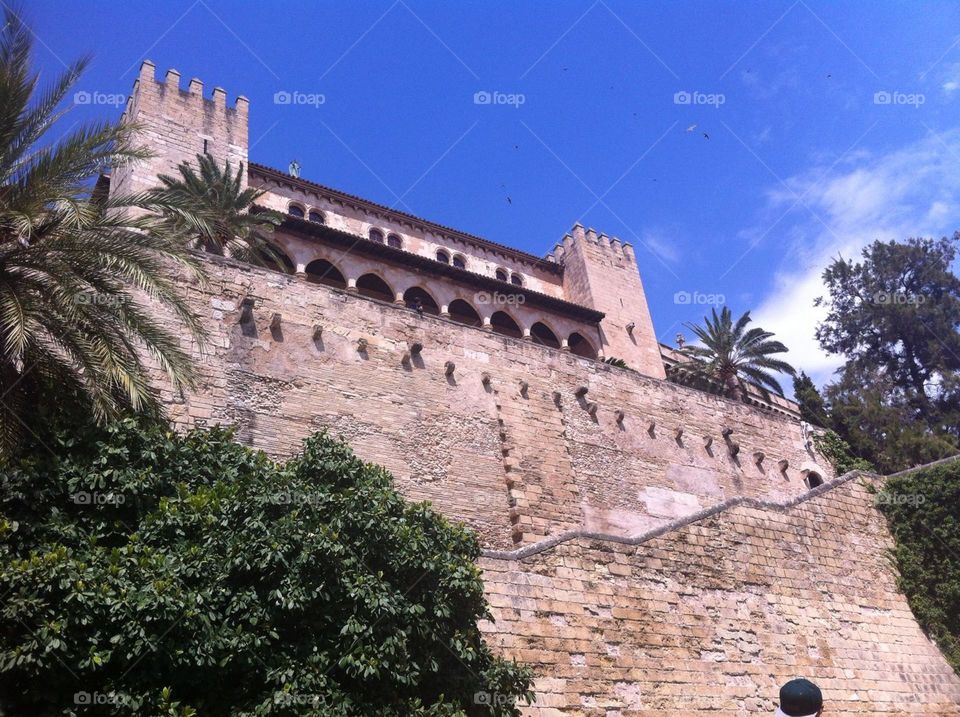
(509, 200)
(706, 136)
(691, 127)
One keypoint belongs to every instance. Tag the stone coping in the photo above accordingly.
(781, 507)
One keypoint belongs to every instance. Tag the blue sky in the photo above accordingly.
(804, 160)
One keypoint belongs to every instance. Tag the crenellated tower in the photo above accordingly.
(601, 273)
(176, 125)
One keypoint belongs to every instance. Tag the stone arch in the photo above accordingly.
(274, 258)
(321, 271)
(502, 323)
(813, 475)
(427, 302)
(295, 209)
(581, 345)
(540, 333)
(376, 235)
(374, 287)
(316, 216)
(463, 313)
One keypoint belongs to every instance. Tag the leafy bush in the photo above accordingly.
(837, 451)
(923, 509)
(146, 572)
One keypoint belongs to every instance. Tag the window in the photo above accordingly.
(463, 313)
(376, 235)
(502, 274)
(541, 334)
(321, 271)
(373, 287)
(443, 257)
(459, 261)
(417, 298)
(516, 280)
(581, 346)
(316, 217)
(395, 241)
(813, 479)
(295, 211)
(502, 323)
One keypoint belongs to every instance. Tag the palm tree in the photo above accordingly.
(733, 356)
(212, 209)
(89, 297)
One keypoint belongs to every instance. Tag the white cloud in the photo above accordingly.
(662, 246)
(913, 191)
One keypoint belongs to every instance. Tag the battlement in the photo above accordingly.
(614, 245)
(178, 124)
(147, 83)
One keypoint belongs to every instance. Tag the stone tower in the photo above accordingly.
(601, 272)
(178, 125)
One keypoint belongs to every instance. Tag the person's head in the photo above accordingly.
(800, 698)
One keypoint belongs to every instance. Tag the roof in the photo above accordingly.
(304, 227)
(277, 175)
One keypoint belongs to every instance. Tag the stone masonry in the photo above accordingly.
(637, 549)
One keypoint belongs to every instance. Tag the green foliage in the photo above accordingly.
(866, 411)
(837, 451)
(618, 362)
(732, 355)
(184, 575)
(213, 210)
(923, 510)
(895, 317)
(812, 408)
(85, 283)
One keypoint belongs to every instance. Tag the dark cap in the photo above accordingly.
(800, 698)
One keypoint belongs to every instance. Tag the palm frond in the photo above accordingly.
(90, 305)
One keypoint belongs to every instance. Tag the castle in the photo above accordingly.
(651, 548)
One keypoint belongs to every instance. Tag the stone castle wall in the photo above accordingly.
(712, 617)
(504, 442)
(709, 616)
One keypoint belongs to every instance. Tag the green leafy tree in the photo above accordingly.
(85, 285)
(895, 316)
(731, 354)
(213, 210)
(923, 510)
(872, 414)
(812, 407)
(160, 573)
